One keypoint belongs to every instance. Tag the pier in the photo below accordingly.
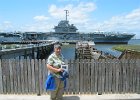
(87, 50)
(38, 50)
(41, 41)
(28, 42)
(84, 50)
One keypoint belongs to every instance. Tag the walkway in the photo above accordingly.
(74, 97)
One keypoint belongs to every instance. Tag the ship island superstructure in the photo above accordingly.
(64, 26)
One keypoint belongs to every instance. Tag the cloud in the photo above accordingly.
(76, 0)
(78, 14)
(129, 22)
(134, 14)
(6, 26)
(38, 27)
(68, 0)
(41, 18)
(41, 24)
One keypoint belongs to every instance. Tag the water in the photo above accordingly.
(134, 41)
(69, 50)
(108, 49)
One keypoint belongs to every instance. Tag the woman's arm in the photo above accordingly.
(53, 69)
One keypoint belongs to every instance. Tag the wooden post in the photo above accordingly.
(1, 81)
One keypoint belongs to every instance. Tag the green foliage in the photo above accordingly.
(9, 46)
(127, 47)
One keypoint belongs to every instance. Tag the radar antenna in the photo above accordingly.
(66, 14)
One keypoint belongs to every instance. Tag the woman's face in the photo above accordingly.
(57, 51)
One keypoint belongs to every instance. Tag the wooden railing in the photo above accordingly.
(27, 76)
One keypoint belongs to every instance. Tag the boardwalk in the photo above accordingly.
(74, 97)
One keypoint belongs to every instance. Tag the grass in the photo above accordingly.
(127, 47)
(12, 46)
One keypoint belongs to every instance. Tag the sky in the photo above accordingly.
(86, 15)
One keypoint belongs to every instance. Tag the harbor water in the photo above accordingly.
(69, 50)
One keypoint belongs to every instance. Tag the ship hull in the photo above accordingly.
(97, 38)
(111, 42)
(113, 39)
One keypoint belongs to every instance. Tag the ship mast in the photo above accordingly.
(66, 14)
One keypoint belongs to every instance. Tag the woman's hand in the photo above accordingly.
(60, 70)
